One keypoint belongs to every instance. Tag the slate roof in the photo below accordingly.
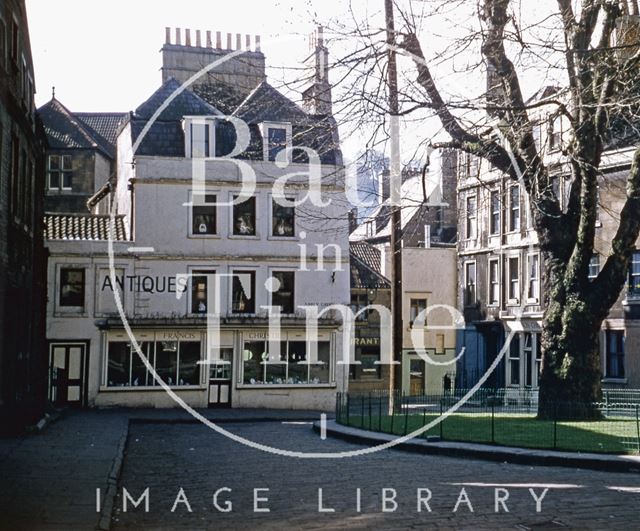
(185, 103)
(364, 274)
(165, 137)
(68, 130)
(83, 227)
(368, 254)
(266, 104)
(106, 124)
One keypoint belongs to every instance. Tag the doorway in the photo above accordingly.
(220, 380)
(67, 374)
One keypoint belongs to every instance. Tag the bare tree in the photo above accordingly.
(582, 43)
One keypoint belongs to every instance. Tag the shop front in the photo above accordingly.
(252, 369)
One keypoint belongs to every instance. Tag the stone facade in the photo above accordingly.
(22, 255)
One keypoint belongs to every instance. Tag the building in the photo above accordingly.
(81, 157)
(368, 287)
(22, 254)
(500, 266)
(428, 226)
(183, 253)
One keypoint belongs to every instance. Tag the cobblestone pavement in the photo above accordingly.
(49, 480)
(166, 458)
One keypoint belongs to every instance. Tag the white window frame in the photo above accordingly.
(530, 279)
(208, 121)
(196, 270)
(295, 279)
(490, 284)
(513, 208)
(511, 300)
(495, 232)
(233, 269)
(471, 219)
(191, 204)
(467, 264)
(594, 262)
(264, 130)
(270, 236)
(257, 232)
(61, 171)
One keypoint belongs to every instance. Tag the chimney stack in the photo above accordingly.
(317, 98)
(242, 74)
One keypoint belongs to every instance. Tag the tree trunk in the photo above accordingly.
(570, 380)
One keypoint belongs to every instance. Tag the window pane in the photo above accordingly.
(277, 140)
(297, 371)
(167, 361)
(54, 162)
(66, 162)
(199, 286)
(283, 220)
(203, 215)
(189, 368)
(243, 292)
(244, 217)
(199, 140)
(139, 374)
(252, 357)
(54, 180)
(320, 370)
(276, 368)
(284, 296)
(72, 287)
(66, 179)
(118, 363)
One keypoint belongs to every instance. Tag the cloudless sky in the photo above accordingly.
(104, 55)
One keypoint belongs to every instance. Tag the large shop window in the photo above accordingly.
(72, 287)
(243, 293)
(244, 217)
(290, 368)
(175, 362)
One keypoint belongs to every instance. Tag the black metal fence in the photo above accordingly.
(504, 416)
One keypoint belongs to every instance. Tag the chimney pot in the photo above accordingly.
(187, 37)
(238, 41)
(198, 41)
(167, 35)
(218, 40)
(257, 41)
(178, 39)
(209, 43)
(248, 42)
(229, 45)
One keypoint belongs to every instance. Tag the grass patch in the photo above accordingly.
(612, 435)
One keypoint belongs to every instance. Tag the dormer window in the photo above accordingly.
(276, 136)
(199, 136)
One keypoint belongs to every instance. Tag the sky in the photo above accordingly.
(104, 55)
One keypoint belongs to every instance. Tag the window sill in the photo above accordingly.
(533, 301)
(513, 302)
(285, 386)
(243, 237)
(614, 380)
(109, 389)
(283, 238)
(204, 236)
